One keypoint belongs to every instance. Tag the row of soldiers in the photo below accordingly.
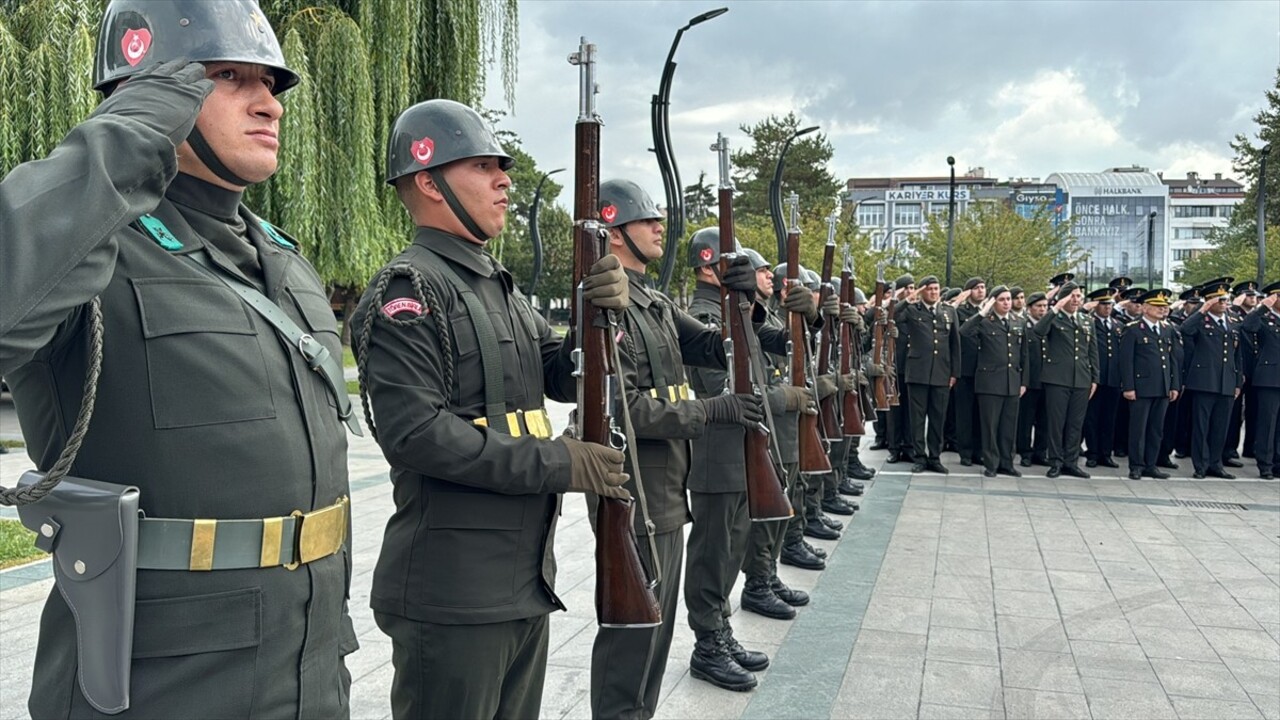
(1123, 371)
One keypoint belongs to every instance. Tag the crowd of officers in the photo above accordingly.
(1119, 372)
(216, 363)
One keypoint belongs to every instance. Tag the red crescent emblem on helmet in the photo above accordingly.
(423, 150)
(135, 45)
(609, 213)
(705, 254)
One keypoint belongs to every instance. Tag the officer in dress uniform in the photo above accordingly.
(718, 494)
(454, 363)
(1101, 417)
(931, 368)
(1263, 325)
(1215, 375)
(1031, 416)
(1069, 375)
(1149, 379)
(1000, 378)
(1244, 410)
(1178, 437)
(202, 404)
(968, 438)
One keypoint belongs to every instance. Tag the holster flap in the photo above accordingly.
(88, 531)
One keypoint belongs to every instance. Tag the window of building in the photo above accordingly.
(906, 214)
(870, 215)
(1181, 255)
(1191, 233)
(1224, 211)
(1193, 211)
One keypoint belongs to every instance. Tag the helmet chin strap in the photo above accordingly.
(631, 245)
(456, 206)
(210, 159)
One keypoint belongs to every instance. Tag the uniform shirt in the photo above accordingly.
(1000, 354)
(201, 405)
(933, 342)
(472, 536)
(1070, 353)
(1216, 360)
(1148, 359)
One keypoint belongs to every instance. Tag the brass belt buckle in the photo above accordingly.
(321, 534)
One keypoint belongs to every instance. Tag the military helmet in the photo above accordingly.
(622, 201)
(435, 133)
(137, 34)
(810, 279)
(859, 297)
(835, 287)
(757, 260)
(802, 275)
(704, 247)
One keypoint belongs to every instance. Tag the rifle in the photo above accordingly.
(880, 341)
(830, 421)
(766, 497)
(624, 594)
(850, 355)
(891, 352)
(813, 453)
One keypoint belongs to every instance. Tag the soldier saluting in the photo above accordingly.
(1069, 375)
(140, 206)
(931, 368)
(1215, 375)
(1263, 324)
(1000, 378)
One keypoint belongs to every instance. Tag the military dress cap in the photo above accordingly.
(138, 34)
(1036, 297)
(1121, 282)
(1132, 294)
(757, 260)
(1272, 289)
(995, 292)
(928, 280)
(1015, 291)
(973, 282)
(1061, 278)
(905, 280)
(951, 294)
(1102, 295)
(1248, 287)
(437, 132)
(1215, 289)
(1067, 288)
(1191, 295)
(622, 202)
(1158, 297)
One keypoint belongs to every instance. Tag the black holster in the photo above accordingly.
(91, 528)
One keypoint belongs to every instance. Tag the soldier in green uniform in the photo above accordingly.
(968, 439)
(202, 403)
(454, 363)
(627, 664)
(1069, 375)
(931, 367)
(1033, 438)
(999, 377)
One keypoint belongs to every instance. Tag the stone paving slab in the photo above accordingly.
(948, 597)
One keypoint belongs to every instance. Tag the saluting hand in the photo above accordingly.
(1061, 304)
(166, 98)
(986, 306)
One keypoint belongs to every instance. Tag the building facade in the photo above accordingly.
(1198, 206)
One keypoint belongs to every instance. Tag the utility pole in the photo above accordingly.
(1262, 217)
(951, 217)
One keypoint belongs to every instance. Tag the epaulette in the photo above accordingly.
(1132, 323)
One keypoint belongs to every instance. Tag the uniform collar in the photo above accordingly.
(463, 252)
(641, 293)
(706, 290)
(205, 197)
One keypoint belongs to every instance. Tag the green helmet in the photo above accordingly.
(137, 34)
(757, 260)
(859, 297)
(435, 133)
(810, 279)
(622, 201)
(704, 247)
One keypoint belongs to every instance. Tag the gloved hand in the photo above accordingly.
(826, 385)
(891, 371)
(166, 98)
(606, 285)
(595, 469)
(850, 314)
(846, 382)
(893, 330)
(875, 370)
(831, 306)
(800, 300)
(740, 275)
(798, 399)
(744, 409)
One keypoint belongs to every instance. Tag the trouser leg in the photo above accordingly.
(1078, 402)
(720, 524)
(1154, 431)
(1267, 442)
(1057, 399)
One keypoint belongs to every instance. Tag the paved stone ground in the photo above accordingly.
(948, 597)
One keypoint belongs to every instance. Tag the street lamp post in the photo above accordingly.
(951, 217)
(775, 193)
(1262, 217)
(1151, 249)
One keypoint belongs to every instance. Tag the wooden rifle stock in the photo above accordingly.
(828, 417)
(766, 496)
(850, 354)
(813, 454)
(624, 595)
(880, 337)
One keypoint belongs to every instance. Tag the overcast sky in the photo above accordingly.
(1023, 89)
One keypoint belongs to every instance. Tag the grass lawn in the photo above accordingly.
(17, 544)
(13, 444)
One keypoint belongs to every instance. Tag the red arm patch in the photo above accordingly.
(404, 305)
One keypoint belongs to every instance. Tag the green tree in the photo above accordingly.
(1235, 248)
(806, 170)
(699, 200)
(996, 244)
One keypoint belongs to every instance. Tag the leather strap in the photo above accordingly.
(650, 344)
(495, 397)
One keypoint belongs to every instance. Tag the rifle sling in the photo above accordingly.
(650, 344)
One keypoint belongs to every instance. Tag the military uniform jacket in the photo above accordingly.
(471, 539)
(1000, 356)
(1263, 325)
(1108, 350)
(1070, 354)
(933, 342)
(1035, 355)
(1148, 359)
(200, 404)
(968, 344)
(1216, 362)
(1248, 347)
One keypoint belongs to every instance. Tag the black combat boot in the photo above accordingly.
(792, 597)
(849, 486)
(712, 662)
(759, 598)
(815, 528)
(837, 505)
(797, 555)
(751, 660)
(815, 549)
